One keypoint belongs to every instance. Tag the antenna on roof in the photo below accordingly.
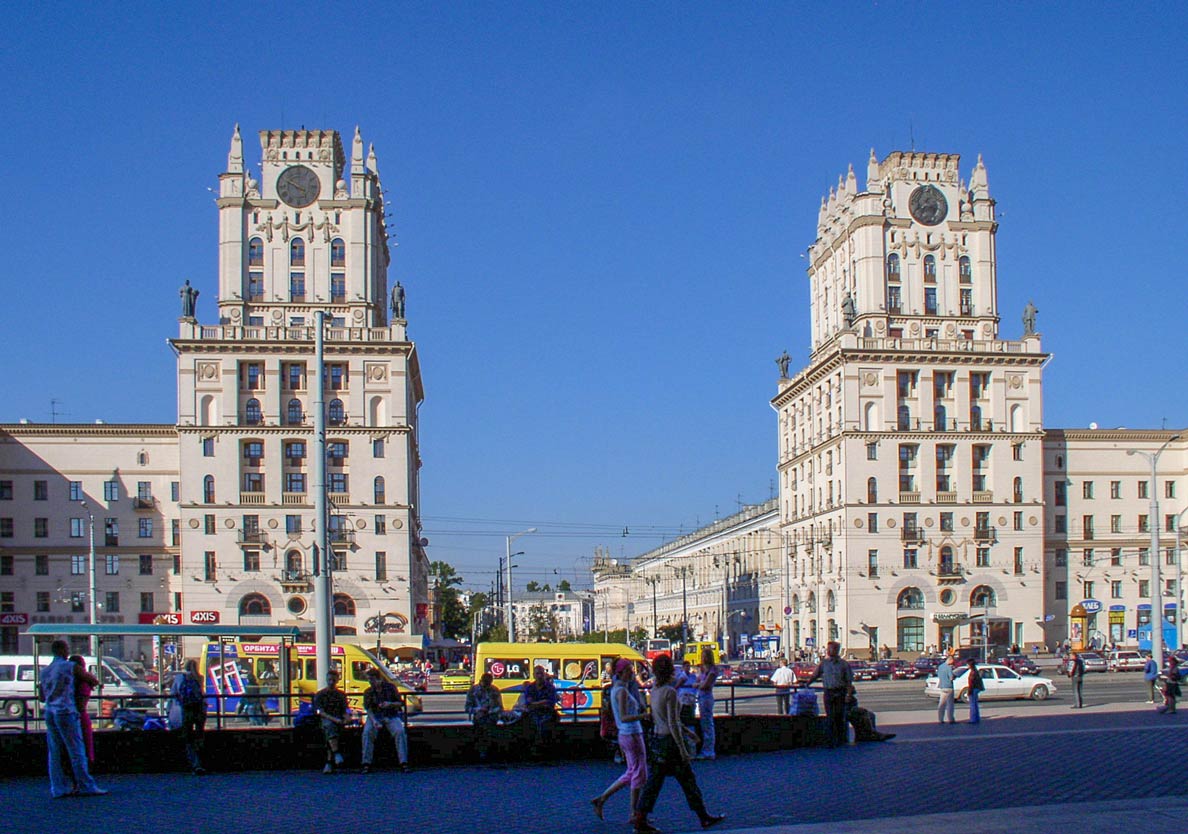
(912, 134)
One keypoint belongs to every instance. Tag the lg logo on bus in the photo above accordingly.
(204, 617)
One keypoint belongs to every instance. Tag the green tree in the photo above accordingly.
(542, 624)
(564, 585)
(454, 619)
(532, 586)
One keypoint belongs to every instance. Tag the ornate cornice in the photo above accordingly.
(88, 429)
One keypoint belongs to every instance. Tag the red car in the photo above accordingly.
(803, 670)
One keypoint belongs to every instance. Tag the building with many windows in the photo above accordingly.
(229, 490)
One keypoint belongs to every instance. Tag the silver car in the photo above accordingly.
(1000, 682)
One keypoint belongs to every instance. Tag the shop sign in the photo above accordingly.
(1091, 606)
(13, 619)
(204, 617)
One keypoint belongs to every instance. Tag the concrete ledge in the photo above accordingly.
(438, 745)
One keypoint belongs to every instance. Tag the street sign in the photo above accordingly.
(787, 610)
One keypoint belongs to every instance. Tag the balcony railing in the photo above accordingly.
(909, 498)
(342, 536)
(143, 503)
(946, 498)
(948, 570)
(251, 537)
(292, 499)
(253, 499)
(912, 535)
(986, 535)
(983, 496)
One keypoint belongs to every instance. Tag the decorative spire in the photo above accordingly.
(978, 183)
(357, 153)
(821, 214)
(832, 198)
(851, 181)
(873, 183)
(841, 186)
(372, 165)
(235, 156)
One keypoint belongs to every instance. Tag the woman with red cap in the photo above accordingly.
(629, 712)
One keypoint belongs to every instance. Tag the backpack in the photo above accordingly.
(189, 692)
(607, 727)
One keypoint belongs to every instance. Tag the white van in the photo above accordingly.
(17, 679)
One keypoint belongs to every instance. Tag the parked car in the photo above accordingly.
(925, 666)
(803, 670)
(726, 674)
(886, 669)
(1001, 682)
(1093, 661)
(1021, 663)
(1126, 660)
(862, 671)
(754, 672)
(455, 680)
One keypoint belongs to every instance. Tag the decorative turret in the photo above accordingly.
(235, 155)
(873, 183)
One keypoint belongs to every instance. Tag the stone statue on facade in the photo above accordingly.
(848, 309)
(398, 301)
(782, 360)
(189, 297)
(1029, 319)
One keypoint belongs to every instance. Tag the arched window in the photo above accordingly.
(379, 489)
(251, 412)
(983, 596)
(975, 418)
(904, 415)
(892, 267)
(1017, 491)
(338, 252)
(965, 271)
(1016, 418)
(796, 603)
(344, 606)
(336, 415)
(255, 252)
(910, 599)
(830, 601)
(297, 252)
(872, 490)
(294, 565)
(947, 566)
(294, 415)
(870, 416)
(255, 605)
(834, 631)
(929, 269)
(812, 602)
(376, 413)
(940, 418)
(208, 490)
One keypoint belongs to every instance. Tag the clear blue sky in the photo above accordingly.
(600, 211)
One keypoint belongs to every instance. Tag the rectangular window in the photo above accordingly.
(78, 565)
(111, 491)
(255, 288)
(1061, 557)
(251, 376)
(1169, 523)
(210, 567)
(6, 564)
(872, 563)
(111, 532)
(253, 481)
(175, 532)
(253, 451)
(381, 566)
(1087, 557)
(1018, 561)
(1115, 557)
(41, 565)
(1017, 451)
(1087, 490)
(295, 452)
(1115, 489)
(40, 528)
(292, 524)
(910, 560)
(1144, 588)
(297, 286)
(146, 602)
(208, 447)
(294, 482)
(966, 301)
(295, 376)
(1061, 524)
(1017, 521)
(76, 491)
(43, 602)
(983, 557)
(336, 452)
(377, 447)
(251, 561)
(1144, 523)
(208, 524)
(1145, 559)
(946, 522)
(1169, 489)
(111, 602)
(6, 490)
(1061, 590)
(381, 525)
(336, 376)
(111, 564)
(176, 564)
(338, 560)
(1115, 589)
(146, 564)
(1169, 556)
(872, 451)
(41, 490)
(337, 287)
(1061, 496)
(337, 482)
(1115, 524)
(144, 490)
(1087, 526)
(78, 602)
(930, 301)
(1144, 489)
(872, 522)
(144, 528)
(5, 528)
(1087, 590)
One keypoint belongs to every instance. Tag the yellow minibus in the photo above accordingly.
(574, 667)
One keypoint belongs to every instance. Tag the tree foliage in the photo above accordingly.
(453, 616)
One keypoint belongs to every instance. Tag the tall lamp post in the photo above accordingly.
(92, 580)
(653, 581)
(1179, 579)
(511, 626)
(1156, 581)
(683, 573)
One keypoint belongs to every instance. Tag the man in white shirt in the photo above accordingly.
(783, 679)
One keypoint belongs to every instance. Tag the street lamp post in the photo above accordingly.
(1179, 578)
(1156, 581)
(683, 573)
(653, 580)
(511, 626)
(92, 580)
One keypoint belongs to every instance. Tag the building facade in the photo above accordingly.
(307, 236)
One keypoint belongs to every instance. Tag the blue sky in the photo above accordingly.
(600, 211)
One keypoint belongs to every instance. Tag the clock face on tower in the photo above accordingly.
(298, 186)
(927, 204)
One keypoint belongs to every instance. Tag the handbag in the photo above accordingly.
(175, 715)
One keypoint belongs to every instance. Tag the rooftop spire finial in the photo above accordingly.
(235, 155)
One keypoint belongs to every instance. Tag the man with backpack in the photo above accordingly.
(187, 694)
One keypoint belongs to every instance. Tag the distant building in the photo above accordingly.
(570, 611)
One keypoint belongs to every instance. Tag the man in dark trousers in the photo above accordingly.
(331, 705)
(385, 710)
(1076, 674)
(837, 679)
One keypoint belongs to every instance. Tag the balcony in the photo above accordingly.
(342, 536)
(912, 535)
(293, 499)
(144, 503)
(294, 581)
(983, 496)
(985, 535)
(251, 499)
(251, 537)
(946, 498)
(947, 571)
(909, 498)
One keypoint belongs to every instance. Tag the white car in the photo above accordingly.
(1125, 660)
(1001, 682)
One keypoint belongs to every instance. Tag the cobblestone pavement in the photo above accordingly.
(1098, 771)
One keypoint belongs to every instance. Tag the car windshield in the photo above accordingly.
(121, 671)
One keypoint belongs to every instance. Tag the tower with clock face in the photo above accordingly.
(910, 446)
(300, 232)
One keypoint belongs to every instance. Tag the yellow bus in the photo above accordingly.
(573, 667)
(693, 652)
(236, 667)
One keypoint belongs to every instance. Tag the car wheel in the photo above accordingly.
(960, 696)
(14, 709)
(1040, 693)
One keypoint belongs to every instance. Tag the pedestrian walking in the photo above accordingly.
(84, 683)
(63, 731)
(331, 704)
(1150, 675)
(672, 753)
(385, 710)
(973, 690)
(944, 681)
(706, 678)
(1171, 686)
(783, 679)
(484, 705)
(685, 683)
(837, 679)
(190, 705)
(1076, 674)
(629, 712)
